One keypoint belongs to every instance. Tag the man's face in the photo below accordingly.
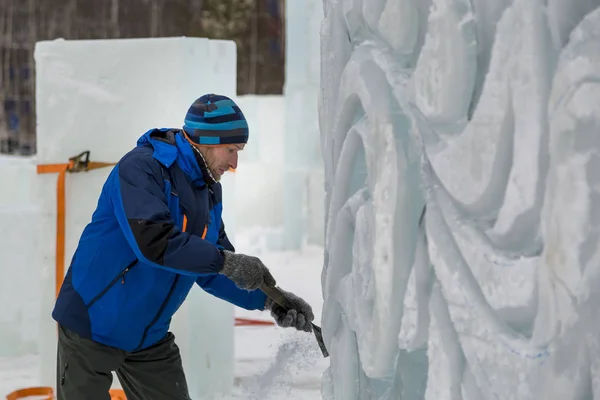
(221, 158)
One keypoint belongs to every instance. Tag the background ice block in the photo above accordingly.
(19, 319)
(303, 184)
(260, 172)
(101, 96)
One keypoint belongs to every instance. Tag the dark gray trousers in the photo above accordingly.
(84, 370)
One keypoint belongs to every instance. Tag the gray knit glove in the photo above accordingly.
(246, 272)
(299, 316)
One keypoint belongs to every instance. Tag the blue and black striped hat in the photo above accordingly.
(215, 119)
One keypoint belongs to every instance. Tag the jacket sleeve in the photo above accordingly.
(222, 287)
(143, 214)
(223, 240)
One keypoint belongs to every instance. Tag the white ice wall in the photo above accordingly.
(101, 96)
(487, 111)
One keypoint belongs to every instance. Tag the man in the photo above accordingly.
(156, 231)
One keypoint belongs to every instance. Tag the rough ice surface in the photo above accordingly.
(461, 153)
(87, 98)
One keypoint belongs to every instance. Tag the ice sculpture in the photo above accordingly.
(461, 164)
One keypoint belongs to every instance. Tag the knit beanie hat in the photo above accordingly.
(215, 119)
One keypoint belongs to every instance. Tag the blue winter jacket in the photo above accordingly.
(156, 231)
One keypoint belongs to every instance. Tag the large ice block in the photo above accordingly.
(19, 319)
(17, 176)
(101, 96)
(303, 168)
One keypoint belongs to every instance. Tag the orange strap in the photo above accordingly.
(252, 322)
(32, 391)
(117, 394)
(61, 169)
(75, 164)
(48, 392)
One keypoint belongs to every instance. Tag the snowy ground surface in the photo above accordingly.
(271, 362)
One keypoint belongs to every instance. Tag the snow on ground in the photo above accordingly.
(271, 362)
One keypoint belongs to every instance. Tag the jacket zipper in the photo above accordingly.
(112, 283)
(159, 313)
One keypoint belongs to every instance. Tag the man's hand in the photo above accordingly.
(246, 272)
(299, 316)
